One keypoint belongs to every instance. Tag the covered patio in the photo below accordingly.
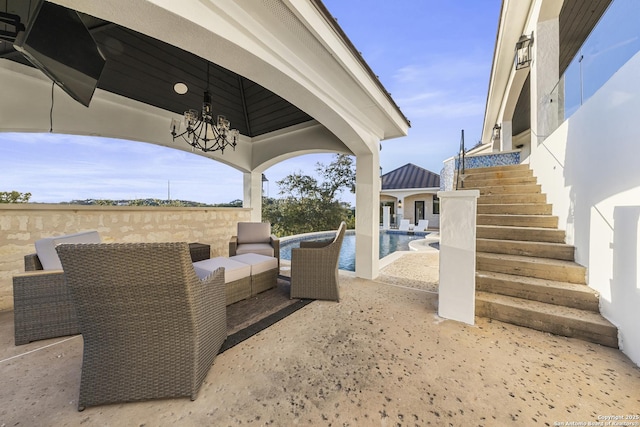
(285, 75)
(382, 356)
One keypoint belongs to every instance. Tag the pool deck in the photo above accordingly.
(380, 357)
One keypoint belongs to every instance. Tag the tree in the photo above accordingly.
(14, 197)
(309, 205)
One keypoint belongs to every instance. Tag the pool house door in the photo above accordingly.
(419, 211)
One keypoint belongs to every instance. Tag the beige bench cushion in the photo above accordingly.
(259, 263)
(233, 270)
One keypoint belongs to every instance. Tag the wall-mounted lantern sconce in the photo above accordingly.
(399, 204)
(495, 136)
(523, 51)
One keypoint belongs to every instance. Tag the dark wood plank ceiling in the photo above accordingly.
(577, 19)
(142, 68)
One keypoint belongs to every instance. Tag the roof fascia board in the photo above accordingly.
(514, 18)
(327, 31)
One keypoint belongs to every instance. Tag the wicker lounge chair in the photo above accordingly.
(314, 268)
(256, 238)
(151, 328)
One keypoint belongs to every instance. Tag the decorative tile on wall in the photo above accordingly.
(447, 173)
(493, 159)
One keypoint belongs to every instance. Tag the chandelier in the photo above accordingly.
(203, 133)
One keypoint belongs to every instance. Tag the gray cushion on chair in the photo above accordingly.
(255, 248)
(254, 232)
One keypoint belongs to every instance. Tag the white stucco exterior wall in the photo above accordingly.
(589, 170)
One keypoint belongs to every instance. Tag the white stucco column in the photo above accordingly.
(544, 78)
(252, 183)
(457, 289)
(386, 217)
(506, 139)
(367, 215)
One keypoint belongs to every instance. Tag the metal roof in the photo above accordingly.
(410, 176)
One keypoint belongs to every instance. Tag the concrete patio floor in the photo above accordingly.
(380, 357)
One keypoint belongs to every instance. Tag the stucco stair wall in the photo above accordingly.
(526, 273)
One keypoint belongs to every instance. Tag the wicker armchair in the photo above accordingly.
(151, 327)
(255, 237)
(42, 305)
(314, 268)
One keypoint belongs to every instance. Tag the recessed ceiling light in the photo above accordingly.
(180, 88)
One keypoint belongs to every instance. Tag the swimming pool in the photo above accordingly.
(390, 241)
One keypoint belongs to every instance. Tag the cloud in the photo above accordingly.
(449, 109)
(57, 168)
(440, 87)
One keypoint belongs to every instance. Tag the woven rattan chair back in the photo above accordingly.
(151, 327)
(314, 268)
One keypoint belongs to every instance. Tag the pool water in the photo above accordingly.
(390, 241)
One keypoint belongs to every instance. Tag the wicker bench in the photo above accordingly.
(237, 276)
(264, 271)
(246, 275)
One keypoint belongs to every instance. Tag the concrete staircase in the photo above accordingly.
(526, 274)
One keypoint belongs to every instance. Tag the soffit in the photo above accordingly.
(145, 69)
(577, 19)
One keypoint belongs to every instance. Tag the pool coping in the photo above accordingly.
(332, 233)
(429, 237)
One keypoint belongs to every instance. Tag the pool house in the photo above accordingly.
(289, 90)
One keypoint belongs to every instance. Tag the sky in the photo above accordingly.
(434, 57)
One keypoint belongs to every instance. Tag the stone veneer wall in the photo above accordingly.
(22, 224)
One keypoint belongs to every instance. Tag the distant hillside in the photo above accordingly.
(151, 202)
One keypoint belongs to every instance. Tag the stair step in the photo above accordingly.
(548, 291)
(504, 168)
(516, 209)
(531, 234)
(506, 189)
(542, 221)
(542, 268)
(495, 199)
(565, 321)
(525, 248)
(472, 182)
(526, 274)
(473, 174)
